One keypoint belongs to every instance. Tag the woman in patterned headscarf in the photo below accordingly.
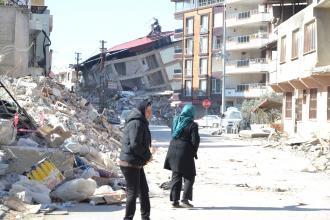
(180, 156)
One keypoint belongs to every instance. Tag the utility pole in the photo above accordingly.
(102, 96)
(224, 56)
(77, 54)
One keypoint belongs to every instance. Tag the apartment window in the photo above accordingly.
(283, 50)
(188, 87)
(202, 87)
(203, 66)
(299, 109)
(217, 42)
(328, 104)
(216, 86)
(188, 67)
(309, 37)
(288, 104)
(204, 43)
(204, 23)
(190, 26)
(156, 79)
(312, 103)
(189, 46)
(304, 96)
(295, 44)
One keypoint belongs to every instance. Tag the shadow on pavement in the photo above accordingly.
(98, 208)
(294, 208)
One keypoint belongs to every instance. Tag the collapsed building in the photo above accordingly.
(143, 65)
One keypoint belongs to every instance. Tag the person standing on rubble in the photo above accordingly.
(180, 156)
(135, 153)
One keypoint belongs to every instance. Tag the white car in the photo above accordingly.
(209, 121)
(231, 119)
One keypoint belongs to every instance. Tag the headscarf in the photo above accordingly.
(179, 123)
(143, 105)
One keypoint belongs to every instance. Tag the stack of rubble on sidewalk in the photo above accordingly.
(316, 148)
(63, 129)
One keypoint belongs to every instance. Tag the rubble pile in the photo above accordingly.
(49, 123)
(317, 149)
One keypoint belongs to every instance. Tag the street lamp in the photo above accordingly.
(223, 104)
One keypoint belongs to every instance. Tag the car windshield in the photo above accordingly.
(233, 115)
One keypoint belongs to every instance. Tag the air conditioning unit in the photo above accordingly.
(37, 2)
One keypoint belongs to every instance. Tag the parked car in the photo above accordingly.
(209, 121)
(231, 119)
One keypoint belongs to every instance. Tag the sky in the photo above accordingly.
(79, 25)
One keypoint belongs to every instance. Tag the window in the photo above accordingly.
(312, 103)
(204, 23)
(202, 87)
(295, 44)
(156, 79)
(299, 109)
(188, 67)
(203, 66)
(328, 104)
(309, 37)
(188, 87)
(216, 86)
(288, 104)
(217, 42)
(283, 50)
(203, 45)
(189, 46)
(190, 26)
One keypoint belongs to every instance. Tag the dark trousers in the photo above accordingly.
(136, 186)
(176, 186)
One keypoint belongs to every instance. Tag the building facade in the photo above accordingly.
(25, 38)
(303, 70)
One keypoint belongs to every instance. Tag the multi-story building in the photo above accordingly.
(248, 31)
(24, 37)
(303, 70)
(146, 64)
(200, 27)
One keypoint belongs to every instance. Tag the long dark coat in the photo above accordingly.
(136, 140)
(182, 151)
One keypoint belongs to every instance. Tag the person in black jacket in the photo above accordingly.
(180, 156)
(135, 153)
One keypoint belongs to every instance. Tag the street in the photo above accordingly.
(236, 179)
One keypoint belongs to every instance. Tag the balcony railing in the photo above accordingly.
(247, 38)
(247, 90)
(246, 62)
(242, 14)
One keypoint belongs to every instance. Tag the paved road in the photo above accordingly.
(237, 179)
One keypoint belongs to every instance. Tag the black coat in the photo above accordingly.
(182, 151)
(136, 140)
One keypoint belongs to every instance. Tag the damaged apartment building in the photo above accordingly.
(24, 37)
(142, 65)
(303, 70)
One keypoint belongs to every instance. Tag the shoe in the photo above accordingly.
(186, 204)
(176, 204)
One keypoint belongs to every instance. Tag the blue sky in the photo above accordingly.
(79, 25)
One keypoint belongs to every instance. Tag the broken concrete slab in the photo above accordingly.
(22, 158)
(253, 134)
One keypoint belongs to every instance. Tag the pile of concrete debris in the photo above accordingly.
(317, 149)
(55, 147)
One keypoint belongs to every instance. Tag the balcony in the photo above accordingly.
(247, 90)
(252, 17)
(247, 66)
(252, 41)
(178, 33)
